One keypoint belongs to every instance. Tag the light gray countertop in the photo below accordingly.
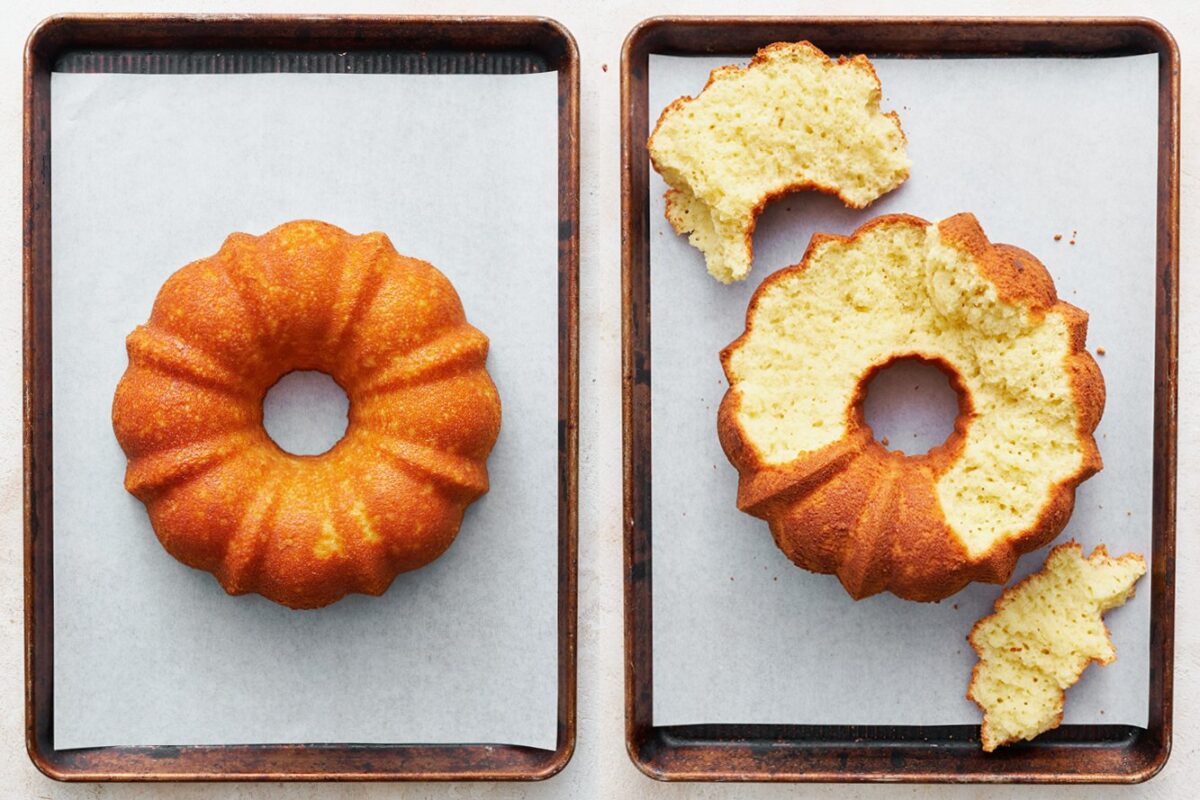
(600, 767)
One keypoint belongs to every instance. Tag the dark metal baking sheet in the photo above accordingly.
(1069, 754)
(305, 44)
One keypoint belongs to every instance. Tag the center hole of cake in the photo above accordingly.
(306, 412)
(911, 406)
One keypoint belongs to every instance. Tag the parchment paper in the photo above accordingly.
(1033, 147)
(151, 172)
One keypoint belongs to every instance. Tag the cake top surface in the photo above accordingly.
(304, 530)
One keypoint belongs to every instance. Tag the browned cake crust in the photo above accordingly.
(305, 531)
(872, 516)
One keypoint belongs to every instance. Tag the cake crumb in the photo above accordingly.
(764, 150)
(1100, 351)
(1070, 593)
(1058, 237)
(955, 606)
(884, 441)
(604, 67)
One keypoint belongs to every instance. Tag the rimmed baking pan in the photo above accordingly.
(731, 751)
(155, 44)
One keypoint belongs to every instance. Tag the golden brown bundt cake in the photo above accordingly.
(792, 119)
(305, 531)
(838, 501)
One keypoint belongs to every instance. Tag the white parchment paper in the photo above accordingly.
(151, 172)
(1034, 148)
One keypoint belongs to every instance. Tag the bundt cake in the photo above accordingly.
(793, 119)
(1042, 635)
(921, 526)
(306, 530)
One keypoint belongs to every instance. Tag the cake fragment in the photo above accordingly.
(793, 119)
(1044, 632)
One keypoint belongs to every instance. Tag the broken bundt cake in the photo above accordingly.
(921, 526)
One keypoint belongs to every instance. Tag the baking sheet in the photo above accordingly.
(1034, 148)
(151, 172)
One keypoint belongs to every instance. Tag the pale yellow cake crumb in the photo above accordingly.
(1043, 634)
(792, 119)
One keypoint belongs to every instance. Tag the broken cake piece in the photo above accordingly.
(793, 119)
(1044, 632)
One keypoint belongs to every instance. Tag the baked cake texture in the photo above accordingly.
(793, 119)
(306, 530)
(921, 526)
(1044, 632)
